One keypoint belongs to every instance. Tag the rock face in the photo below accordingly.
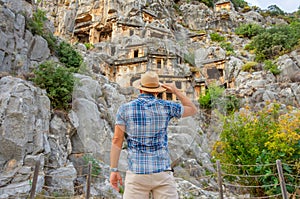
(25, 109)
(127, 36)
(94, 104)
(20, 51)
(24, 126)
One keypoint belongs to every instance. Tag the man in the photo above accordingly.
(145, 121)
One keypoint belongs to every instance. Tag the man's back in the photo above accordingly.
(146, 120)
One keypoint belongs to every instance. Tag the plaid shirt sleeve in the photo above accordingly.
(120, 117)
(176, 110)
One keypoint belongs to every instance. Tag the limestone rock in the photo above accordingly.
(24, 113)
(61, 180)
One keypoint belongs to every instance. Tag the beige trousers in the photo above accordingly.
(138, 186)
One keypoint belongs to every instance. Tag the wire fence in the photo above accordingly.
(238, 189)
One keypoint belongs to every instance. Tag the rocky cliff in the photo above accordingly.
(30, 130)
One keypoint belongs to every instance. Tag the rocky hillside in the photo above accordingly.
(31, 129)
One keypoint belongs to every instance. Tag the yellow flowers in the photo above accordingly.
(273, 133)
(285, 137)
(260, 138)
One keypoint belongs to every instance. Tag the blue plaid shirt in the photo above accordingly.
(146, 120)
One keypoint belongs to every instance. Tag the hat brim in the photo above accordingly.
(160, 89)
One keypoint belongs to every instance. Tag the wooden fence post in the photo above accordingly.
(88, 181)
(220, 179)
(35, 178)
(281, 180)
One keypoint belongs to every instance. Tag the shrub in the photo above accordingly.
(249, 66)
(36, 23)
(89, 46)
(210, 99)
(69, 56)
(216, 37)
(239, 3)
(96, 169)
(176, 7)
(269, 65)
(51, 40)
(208, 3)
(248, 30)
(36, 26)
(58, 81)
(275, 41)
(261, 137)
(228, 47)
(231, 103)
(205, 101)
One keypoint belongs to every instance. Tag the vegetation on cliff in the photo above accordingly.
(260, 138)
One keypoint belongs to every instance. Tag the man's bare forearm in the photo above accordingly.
(116, 146)
(189, 107)
(187, 104)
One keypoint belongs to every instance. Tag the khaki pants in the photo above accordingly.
(138, 186)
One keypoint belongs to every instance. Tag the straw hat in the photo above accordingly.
(149, 82)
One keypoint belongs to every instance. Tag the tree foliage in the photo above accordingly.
(239, 3)
(274, 10)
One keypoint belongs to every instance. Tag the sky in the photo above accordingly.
(288, 6)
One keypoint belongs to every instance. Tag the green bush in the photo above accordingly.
(260, 138)
(276, 41)
(205, 101)
(228, 47)
(176, 7)
(96, 169)
(249, 47)
(211, 98)
(69, 56)
(89, 46)
(51, 40)
(36, 23)
(249, 66)
(216, 37)
(214, 99)
(239, 3)
(208, 3)
(269, 65)
(232, 104)
(248, 30)
(36, 26)
(58, 81)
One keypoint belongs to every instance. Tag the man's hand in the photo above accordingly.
(189, 107)
(170, 87)
(115, 177)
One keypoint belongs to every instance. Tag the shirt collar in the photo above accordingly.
(146, 95)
